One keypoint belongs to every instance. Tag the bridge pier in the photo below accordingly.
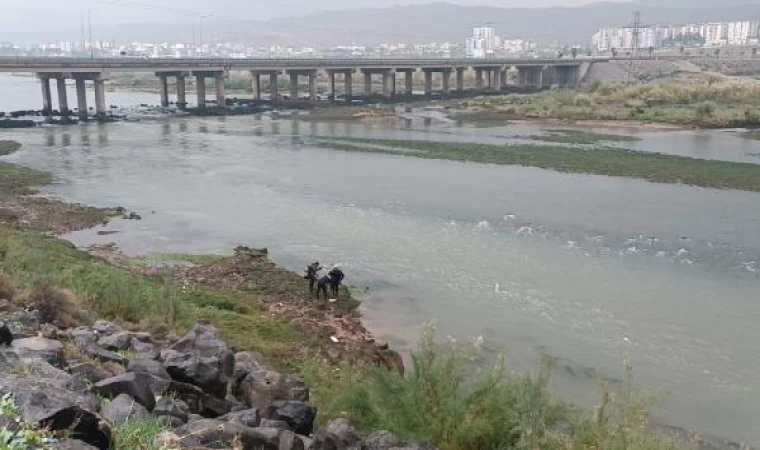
(181, 99)
(479, 79)
(293, 86)
(47, 98)
(256, 86)
(313, 86)
(221, 97)
(274, 96)
(163, 86)
(200, 90)
(63, 101)
(388, 75)
(428, 88)
(367, 83)
(81, 98)
(446, 82)
(331, 82)
(100, 98)
(460, 79)
(495, 80)
(409, 82)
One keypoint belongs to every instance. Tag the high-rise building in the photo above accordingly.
(743, 33)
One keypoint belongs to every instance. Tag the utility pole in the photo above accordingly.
(633, 61)
(81, 22)
(89, 24)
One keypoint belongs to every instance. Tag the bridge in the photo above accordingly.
(490, 75)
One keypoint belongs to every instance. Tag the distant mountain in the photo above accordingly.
(435, 22)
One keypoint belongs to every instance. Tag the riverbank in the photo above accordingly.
(458, 418)
(701, 104)
(597, 160)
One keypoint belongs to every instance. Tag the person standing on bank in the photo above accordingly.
(312, 273)
(336, 278)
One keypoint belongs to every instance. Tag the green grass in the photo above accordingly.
(653, 167)
(169, 258)
(18, 179)
(446, 400)
(8, 147)
(137, 434)
(582, 137)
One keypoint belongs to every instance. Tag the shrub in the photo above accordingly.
(137, 434)
(57, 306)
(705, 109)
(582, 100)
(7, 290)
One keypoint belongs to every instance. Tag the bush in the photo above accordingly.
(582, 100)
(705, 109)
(57, 306)
(7, 290)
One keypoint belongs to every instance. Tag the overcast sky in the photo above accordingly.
(44, 15)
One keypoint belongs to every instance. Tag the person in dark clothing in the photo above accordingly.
(312, 273)
(322, 285)
(6, 336)
(336, 277)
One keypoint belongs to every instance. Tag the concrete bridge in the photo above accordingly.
(490, 75)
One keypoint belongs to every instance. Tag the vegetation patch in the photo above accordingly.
(581, 137)
(754, 134)
(8, 147)
(653, 167)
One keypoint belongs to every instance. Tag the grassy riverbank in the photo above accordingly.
(709, 104)
(653, 167)
(443, 398)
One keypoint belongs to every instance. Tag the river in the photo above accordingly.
(591, 270)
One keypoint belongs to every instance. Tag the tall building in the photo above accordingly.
(483, 42)
(743, 33)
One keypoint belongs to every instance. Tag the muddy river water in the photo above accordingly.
(591, 270)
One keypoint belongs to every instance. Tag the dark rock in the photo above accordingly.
(209, 433)
(149, 366)
(6, 335)
(48, 350)
(8, 423)
(87, 340)
(194, 417)
(47, 401)
(198, 401)
(380, 440)
(170, 422)
(201, 358)
(146, 350)
(338, 434)
(106, 328)
(86, 370)
(123, 340)
(259, 388)
(248, 418)
(166, 439)
(269, 423)
(291, 441)
(135, 384)
(24, 323)
(123, 408)
(73, 444)
(299, 415)
(172, 408)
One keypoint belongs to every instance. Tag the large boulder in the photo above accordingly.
(134, 384)
(53, 399)
(167, 407)
(248, 417)
(140, 343)
(197, 401)
(149, 366)
(87, 340)
(260, 388)
(201, 358)
(48, 350)
(299, 415)
(338, 434)
(124, 408)
(105, 328)
(214, 434)
(73, 444)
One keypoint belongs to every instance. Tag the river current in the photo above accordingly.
(591, 270)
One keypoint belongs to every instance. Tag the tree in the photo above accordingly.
(574, 52)
(651, 50)
(717, 53)
(682, 49)
(754, 52)
(614, 52)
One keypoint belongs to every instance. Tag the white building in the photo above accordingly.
(483, 42)
(715, 34)
(743, 33)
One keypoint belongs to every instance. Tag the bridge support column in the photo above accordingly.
(181, 100)
(313, 86)
(540, 78)
(387, 84)
(163, 85)
(496, 80)
(200, 88)
(221, 97)
(460, 79)
(47, 98)
(273, 94)
(367, 83)
(409, 82)
(331, 81)
(256, 86)
(100, 98)
(349, 85)
(81, 98)
(446, 83)
(479, 79)
(503, 78)
(293, 86)
(63, 101)
(428, 83)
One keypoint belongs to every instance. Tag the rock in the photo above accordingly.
(47, 400)
(338, 434)
(194, 417)
(5, 305)
(269, 423)
(214, 434)
(24, 323)
(106, 328)
(72, 444)
(149, 366)
(380, 440)
(299, 415)
(122, 408)
(248, 418)
(201, 358)
(198, 401)
(123, 340)
(87, 340)
(135, 384)
(166, 439)
(291, 441)
(259, 388)
(6, 335)
(86, 370)
(48, 350)
(8, 423)
(172, 408)
(145, 349)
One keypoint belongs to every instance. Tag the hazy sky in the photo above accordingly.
(43, 15)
